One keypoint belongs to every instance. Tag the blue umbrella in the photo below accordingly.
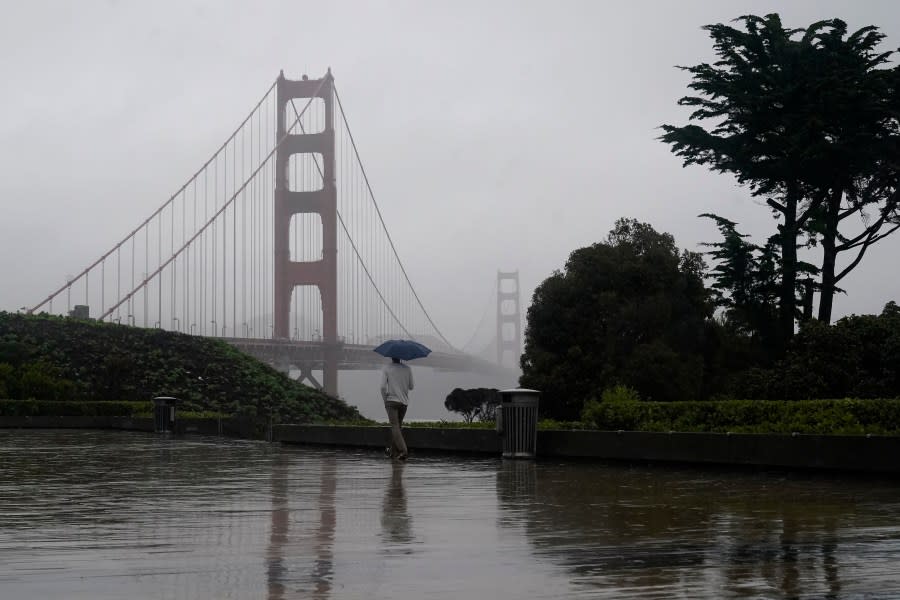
(403, 349)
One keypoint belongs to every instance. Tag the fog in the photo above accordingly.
(498, 135)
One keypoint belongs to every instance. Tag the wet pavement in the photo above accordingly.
(102, 515)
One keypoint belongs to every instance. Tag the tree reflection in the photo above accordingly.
(680, 530)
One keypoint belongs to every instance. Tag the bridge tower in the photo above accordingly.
(512, 316)
(321, 273)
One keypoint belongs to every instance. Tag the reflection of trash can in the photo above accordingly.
(517, 422)
(164, 414)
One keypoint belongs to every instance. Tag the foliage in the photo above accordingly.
(72, 408)
(620, 393)
(745, 282)
(808, 119)
(630, 310)
(472, 404)
(858, 356)
(56, 358)
(838, 417)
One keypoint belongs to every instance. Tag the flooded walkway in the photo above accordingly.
(103, 515)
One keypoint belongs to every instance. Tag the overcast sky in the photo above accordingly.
(497, 135)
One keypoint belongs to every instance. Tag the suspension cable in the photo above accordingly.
(161, 208)
(211, 219)
(384, 226)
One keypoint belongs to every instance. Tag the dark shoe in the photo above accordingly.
(402, 456)
(389, 452)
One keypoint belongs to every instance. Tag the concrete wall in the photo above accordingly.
(850, 453)
(879, 454)
(417, 438)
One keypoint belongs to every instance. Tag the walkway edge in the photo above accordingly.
(873, 454)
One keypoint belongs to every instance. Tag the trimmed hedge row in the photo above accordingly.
(828, 417)
(60, 408)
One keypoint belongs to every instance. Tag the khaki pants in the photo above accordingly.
(395, 412)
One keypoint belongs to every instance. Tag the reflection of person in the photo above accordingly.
(396, 522)
(396, 382)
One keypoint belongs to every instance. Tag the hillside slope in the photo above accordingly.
(46, 357)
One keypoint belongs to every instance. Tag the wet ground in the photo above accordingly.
(102, 515)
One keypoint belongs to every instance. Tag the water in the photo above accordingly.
(361, 389)
(102, 515)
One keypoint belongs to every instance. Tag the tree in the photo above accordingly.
(808, 120)
(472, 404)
(745, 283)
(630, 310)
(856, 357)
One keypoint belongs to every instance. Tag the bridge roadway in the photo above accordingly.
(307, 356)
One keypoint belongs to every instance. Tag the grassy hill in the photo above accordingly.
(56, 358)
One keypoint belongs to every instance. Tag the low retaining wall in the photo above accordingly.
(417, 438)
(879, 454)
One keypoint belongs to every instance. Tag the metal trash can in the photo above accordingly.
(517, 422)
(164, 414)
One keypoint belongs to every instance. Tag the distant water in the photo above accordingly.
(111, 515)
(360, 388)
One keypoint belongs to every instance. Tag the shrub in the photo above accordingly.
(72, 408)
(848, 416)
(620, 393)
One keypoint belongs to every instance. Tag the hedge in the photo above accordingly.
(835, 417)
(72, 408)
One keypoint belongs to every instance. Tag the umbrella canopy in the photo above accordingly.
(403, 349)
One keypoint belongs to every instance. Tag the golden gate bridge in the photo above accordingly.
(277, 245)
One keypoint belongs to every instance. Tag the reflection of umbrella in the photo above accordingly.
(403, 349)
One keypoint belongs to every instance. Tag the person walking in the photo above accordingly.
(396, 383)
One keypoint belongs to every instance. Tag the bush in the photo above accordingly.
(836, 417)
(620, 393)
(52, 358)
(72, 408)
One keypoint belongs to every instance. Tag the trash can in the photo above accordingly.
(164, 414)
(517, 422)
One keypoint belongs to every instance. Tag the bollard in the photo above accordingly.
(517, 422)
(164, 414)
